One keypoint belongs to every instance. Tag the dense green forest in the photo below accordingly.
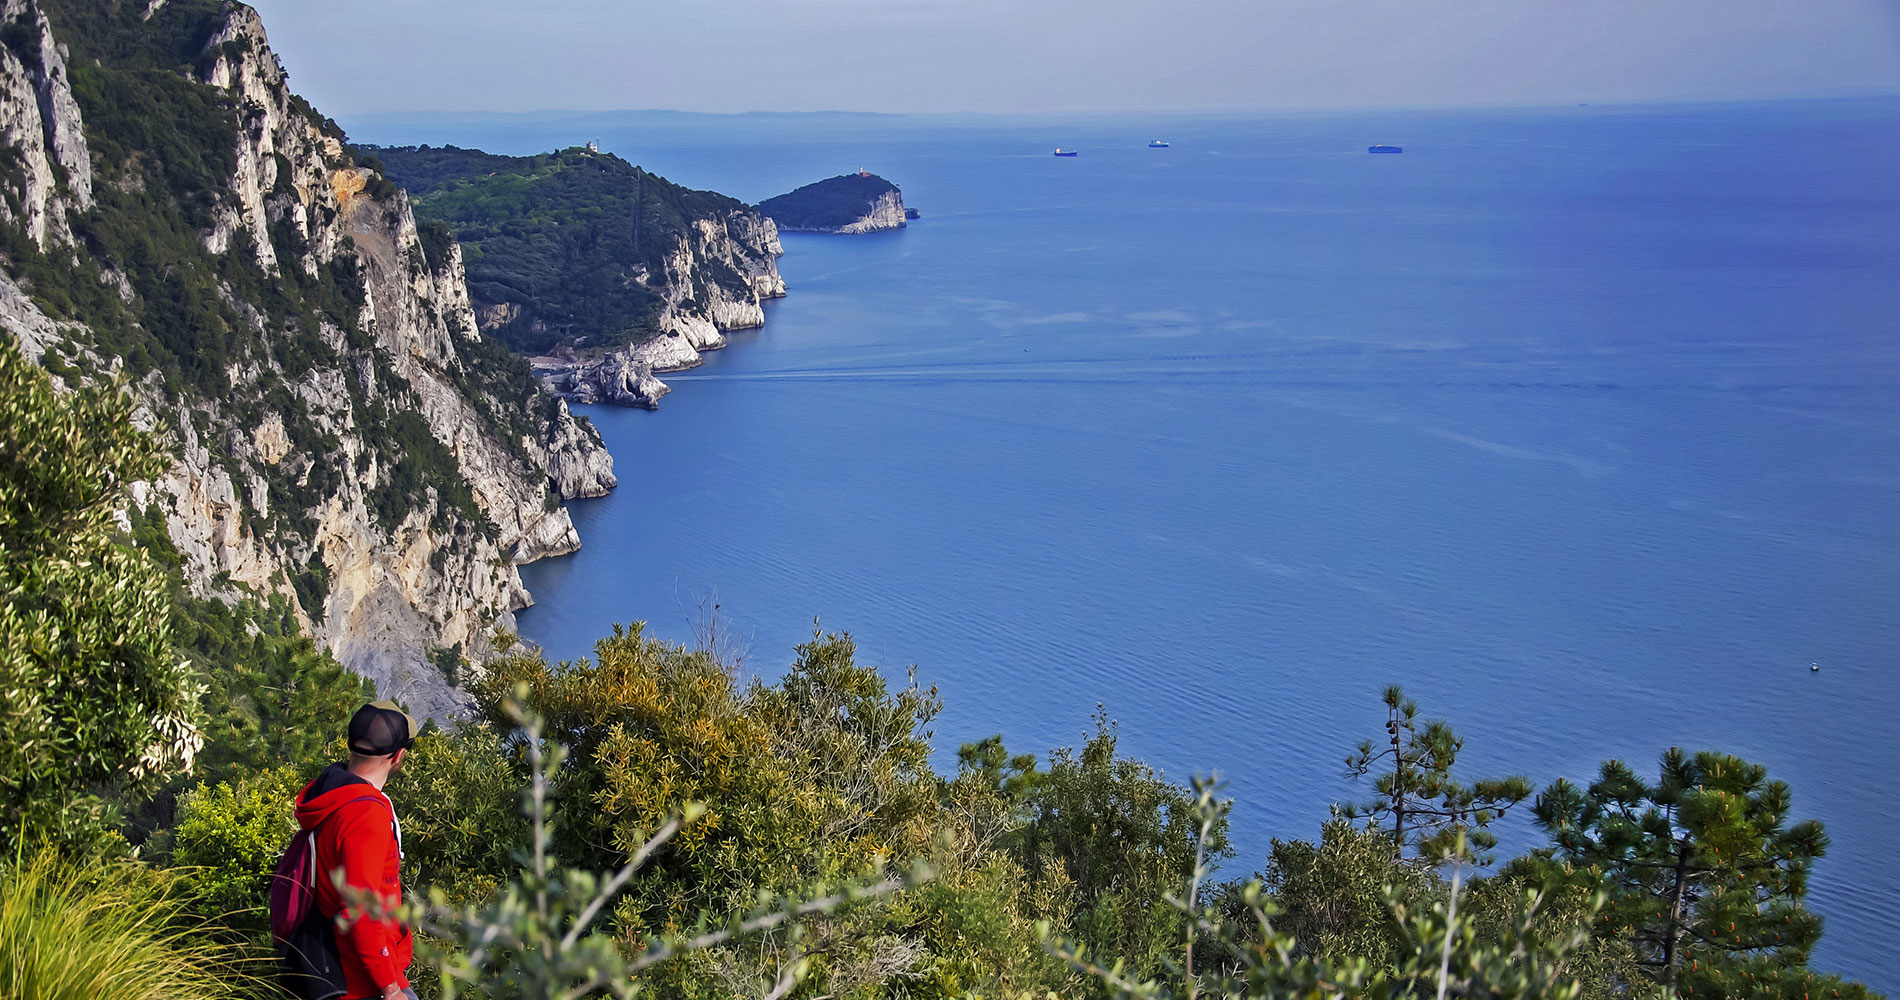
(827, 204)
(568, 247)
(784, 837)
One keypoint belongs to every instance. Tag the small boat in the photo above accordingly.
(1157, 144)
(1385, 149)
(1066, 152)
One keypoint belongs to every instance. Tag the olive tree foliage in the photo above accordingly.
(1441, 949)
(1104, 839)
(1705, 871)
(540, 936)
(92, 696)
(1413, 790)
(1334, 897)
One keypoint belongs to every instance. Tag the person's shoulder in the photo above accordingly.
(365, 806)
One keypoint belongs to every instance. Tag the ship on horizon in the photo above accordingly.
(1066, 152)
(1157, 144)
(1382, 148)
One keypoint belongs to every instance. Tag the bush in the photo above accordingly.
(1335, 894)
(233, 834)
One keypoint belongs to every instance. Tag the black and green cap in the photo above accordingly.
(379, 729)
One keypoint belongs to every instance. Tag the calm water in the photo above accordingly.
(1583, 425)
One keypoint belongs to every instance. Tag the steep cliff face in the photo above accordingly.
(700, 306)
(39, 119)
(886, 212)
(346, 437)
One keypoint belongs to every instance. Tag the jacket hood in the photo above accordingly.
(332, 789)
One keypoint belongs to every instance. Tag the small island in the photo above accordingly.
(850, 203)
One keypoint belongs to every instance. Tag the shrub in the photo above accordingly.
(91, 696)
(232, 834)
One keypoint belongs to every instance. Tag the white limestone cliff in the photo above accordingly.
(699, 311)
(887, 212)
(395, 585)
(40, 121)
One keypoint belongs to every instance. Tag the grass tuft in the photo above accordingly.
(86, 932)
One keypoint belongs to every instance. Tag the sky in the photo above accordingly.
(355, 57)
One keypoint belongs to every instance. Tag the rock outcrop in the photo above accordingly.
(617, 378)
(39, 121)
(887, 212)
(699, 310)
(346, 439)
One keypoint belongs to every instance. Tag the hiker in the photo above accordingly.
(357, 831)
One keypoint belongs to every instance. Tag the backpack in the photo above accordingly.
(310, 964)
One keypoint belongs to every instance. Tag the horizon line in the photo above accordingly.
(1844, 95)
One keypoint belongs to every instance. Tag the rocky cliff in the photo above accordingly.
(850, 204)
(698, 311)
(174, 217)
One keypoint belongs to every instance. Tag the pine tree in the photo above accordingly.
(1705, 875)
(1426, 806)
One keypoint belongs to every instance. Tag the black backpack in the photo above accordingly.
(310, 965)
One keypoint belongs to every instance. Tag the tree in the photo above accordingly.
(1705, 874)
(273, 698)
(91, 693)
(650, 727)
(1334, 896)
(857, 744)
(1426, 806)
(1121, 837)
(539, 934)
(1438, 949)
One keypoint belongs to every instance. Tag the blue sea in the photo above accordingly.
(1583, 424)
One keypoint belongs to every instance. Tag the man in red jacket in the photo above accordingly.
(357, 832)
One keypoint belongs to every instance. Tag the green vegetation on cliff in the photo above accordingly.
(832, 203)
(569, 247)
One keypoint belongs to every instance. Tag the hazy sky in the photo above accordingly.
(363, 56)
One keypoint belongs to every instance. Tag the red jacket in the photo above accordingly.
(362, 838)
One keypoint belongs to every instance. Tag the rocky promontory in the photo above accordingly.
(656, 274)
(851, 203)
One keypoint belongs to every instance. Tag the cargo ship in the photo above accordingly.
(1157, 144)
(1065, 152)
(1385, 149)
